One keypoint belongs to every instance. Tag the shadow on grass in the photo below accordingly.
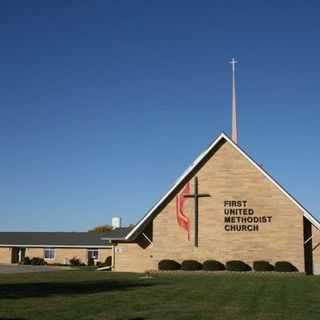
(45, 289)
(12, 318)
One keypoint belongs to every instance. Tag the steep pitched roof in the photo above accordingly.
(199, 161)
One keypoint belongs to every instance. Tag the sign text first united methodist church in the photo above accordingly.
(239, 217)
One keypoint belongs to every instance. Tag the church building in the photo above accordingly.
(224, 207)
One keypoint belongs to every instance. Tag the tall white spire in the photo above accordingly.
(234, 104)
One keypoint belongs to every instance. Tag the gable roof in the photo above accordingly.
(200, 160)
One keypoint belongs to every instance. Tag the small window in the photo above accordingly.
(93, 254)
(49, 253)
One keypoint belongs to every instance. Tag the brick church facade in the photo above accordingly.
(246, 216)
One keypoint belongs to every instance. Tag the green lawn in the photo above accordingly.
(93, 295)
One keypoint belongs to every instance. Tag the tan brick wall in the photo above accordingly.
(132, 258)
(104, 253)
(226, 176)
(34, 252)
(62, 255)
(5, 255)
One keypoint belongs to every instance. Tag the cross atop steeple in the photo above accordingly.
(233, 62)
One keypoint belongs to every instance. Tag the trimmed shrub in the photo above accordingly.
(262, 266)
(106, 263)
(191, 265)
(237, 265)
(76, 262)
(167, 265)
(26, 261)
(37, 261)
(91, 262)
(284, 266)
(213, 265)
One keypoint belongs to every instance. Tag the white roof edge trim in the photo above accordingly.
(186, 172)
(306, 213)
(113, 238)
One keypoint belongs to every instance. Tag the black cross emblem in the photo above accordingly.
(196, 197)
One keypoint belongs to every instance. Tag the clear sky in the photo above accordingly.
(105, 103)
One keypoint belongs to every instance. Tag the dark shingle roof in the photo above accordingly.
(82, 239)
(118, 233)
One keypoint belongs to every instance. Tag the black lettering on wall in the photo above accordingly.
(240, 217)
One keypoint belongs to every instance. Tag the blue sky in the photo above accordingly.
(105, 103)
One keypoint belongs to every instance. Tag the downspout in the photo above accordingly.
(113, 257)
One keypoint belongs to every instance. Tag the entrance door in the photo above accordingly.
(15, 255)
(22, 254)
(308, 254)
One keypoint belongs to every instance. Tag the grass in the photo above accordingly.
(120, 296)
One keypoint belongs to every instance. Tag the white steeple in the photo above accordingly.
(234, 104)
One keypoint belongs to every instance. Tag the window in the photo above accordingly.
(93, 254)
(49, 253)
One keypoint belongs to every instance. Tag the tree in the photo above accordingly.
(104, 228)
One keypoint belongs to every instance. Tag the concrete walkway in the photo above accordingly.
(16, 268)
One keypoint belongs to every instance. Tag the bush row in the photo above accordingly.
(233, 265)
(35, 261)
(107, 263)
(73, 262)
